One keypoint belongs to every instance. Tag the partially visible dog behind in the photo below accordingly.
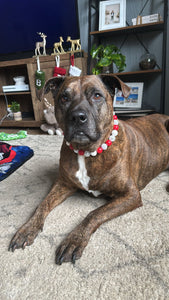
(101, 155)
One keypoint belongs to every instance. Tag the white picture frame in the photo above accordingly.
(134, 100)
(112, 14)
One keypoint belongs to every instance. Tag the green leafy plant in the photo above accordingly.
(15, 106)
(107, 55)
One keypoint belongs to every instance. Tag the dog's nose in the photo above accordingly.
(79, 116)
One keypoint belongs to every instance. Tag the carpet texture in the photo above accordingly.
(126, 259)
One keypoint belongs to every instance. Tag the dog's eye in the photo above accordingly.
(64, 98)
(96, 96)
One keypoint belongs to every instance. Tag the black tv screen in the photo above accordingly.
(21, 20)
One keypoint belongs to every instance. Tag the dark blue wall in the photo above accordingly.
(22, 19)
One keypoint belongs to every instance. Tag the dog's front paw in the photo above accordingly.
(71, 248)
(23, 237)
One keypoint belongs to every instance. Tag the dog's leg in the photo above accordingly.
(72, 247)
(27, 233)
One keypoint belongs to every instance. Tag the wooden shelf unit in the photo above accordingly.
(29, 103)
(137, 32)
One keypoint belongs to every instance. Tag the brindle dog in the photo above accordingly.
(99, 154)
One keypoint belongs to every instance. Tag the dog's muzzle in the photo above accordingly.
(80, 127)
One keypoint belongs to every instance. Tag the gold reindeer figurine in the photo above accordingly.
(58, 48)
(75, 44)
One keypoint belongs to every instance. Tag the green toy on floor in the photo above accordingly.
(13, 136)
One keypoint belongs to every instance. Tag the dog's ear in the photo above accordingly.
(112, 82)
(52, 85)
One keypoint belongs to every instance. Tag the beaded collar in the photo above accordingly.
(104, 146)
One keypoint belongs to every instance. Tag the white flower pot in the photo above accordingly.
(17, 116)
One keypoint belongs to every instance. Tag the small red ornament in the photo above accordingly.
(115, 117)
(71, 147)
(99, 150)
(108, 143)
(81, 152)
(116, 127)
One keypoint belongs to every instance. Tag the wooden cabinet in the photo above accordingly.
(31, 107)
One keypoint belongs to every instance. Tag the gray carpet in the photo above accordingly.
(126, 258)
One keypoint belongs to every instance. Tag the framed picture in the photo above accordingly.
(134, 100)
(112, 14)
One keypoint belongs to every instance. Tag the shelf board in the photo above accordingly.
(26, 122)
(157, 26)
(131, 113)
(139, 72)
(15, 93)
(132, 110)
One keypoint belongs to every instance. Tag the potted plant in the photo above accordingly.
(15, 108)
(105, 57)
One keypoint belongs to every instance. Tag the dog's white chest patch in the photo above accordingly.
(82, 176)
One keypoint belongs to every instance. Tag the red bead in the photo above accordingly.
(116, 127)
(108, 143)
(71, 147)
(99, 150)
(114, 117)
(81, 152)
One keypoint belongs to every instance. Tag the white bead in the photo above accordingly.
(116, 122)
(115, 132)
(104, 146)
(93, 153)
(112, 138)
(87, 154)
(75, 151)
(67, 143)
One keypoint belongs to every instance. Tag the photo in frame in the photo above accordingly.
(112, 14)
(134, 100)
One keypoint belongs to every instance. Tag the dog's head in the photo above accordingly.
(84, 106)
